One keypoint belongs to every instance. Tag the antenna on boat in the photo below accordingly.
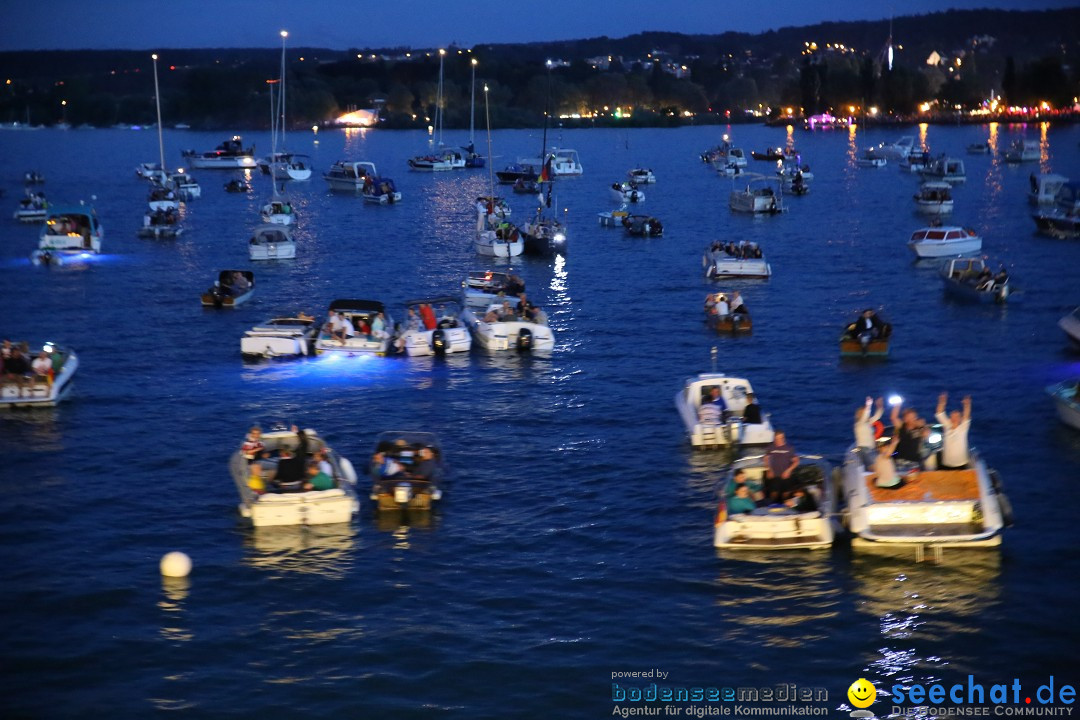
(491, 170)
(157, 100)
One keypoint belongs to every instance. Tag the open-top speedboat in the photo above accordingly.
(1066, 397)
(498, 327)
(743, 259)
(438, 329)
(482, 288)
(229, 155)
(71, 230)
(232, 288)
(972, 280)
(412, 473)
(43, 392)
(33, 208)
(161, 224)
(360, 336)
(643, 226)
(565, 162)
(349, 175)
(805, 522)
(187, 188)
(280, 337)
(150, 171)
(927, 509)
(287, 166)
(867, 160)
(1062, 220)
(162, 197)
(640, 176)
(276, 502)
(626, 193)
(521, 170)
(721, 318)
(271, 242)
(729, 431)
(944, 241)
(279, 211)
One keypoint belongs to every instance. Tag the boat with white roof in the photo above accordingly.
(944, 241)
(280, 337)
(711, 429)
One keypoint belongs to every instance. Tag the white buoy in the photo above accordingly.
(175, 564)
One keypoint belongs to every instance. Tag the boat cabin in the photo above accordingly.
(1045, 188)
(942, 234)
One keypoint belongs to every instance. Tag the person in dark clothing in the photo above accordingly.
(426, 468)
(752, 411)
(292, 466)
(910, 432)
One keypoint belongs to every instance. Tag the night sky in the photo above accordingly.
(341, 24)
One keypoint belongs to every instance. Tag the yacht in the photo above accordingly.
(286, 503)
(271, 242)
(232, 288)
(928, 509)
(71, 230)
(280, 337)
(806, 522)
(349, 175)
(734, 431)
(944, 241)
(1023, 151)
(439, 331)
(743, 259)
(229, 155)
(761, 195)
(45, 392)
(934, 198)
(359, 314)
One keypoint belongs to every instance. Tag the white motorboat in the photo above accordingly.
(71, 230)
(33, 208)
(279, 211)
(934, 198)
(727, 169)
(916, 161)
(438, 161)
(280, 337)
(229, 155)
(46, 391)
(806, 522)
(482, 288)
(151, 171)
(946, 169)
(896, 150)
(761, 195)
(271, 242)
(944, 241)
(349, 175)
(287, 166)
(380, 191)
(361, 339)
(186, 187)
(626, 193)
(161, 225)
(793, 172)
(438, 329)
(743, 259)
(640, 176)
(285, 503)
(933, 508)
(565, 162)
(1045, 188)
(1071, 325)
(613, 218)
(493, 328)
(497, 238)
(870, 161)
(1066, 397)
(1023, 151)
(232, 288)
(162, 198)
(732, 431)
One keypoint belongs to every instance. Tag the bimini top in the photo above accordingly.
(441, 300)
(358, 305)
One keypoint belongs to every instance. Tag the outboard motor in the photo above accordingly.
(438, 341)
(403, 493)
(524, 340)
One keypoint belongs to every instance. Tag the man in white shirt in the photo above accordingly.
(954, 445)
(864, 429)
(42, 367)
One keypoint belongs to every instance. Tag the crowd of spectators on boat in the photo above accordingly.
(286, 469)
(779, 486)
(401, 460)
(341, 327)
(719, 305)
(20, 367)
(743, 250)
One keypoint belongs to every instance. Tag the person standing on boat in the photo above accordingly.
(722, 309)
(523, 306)
(910, 433)
(864, 428)
(737, 304)
(955, 425)
(780, 462)
(752, 411)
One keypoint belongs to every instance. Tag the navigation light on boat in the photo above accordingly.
(48, 347)
(84, 255)
(933, 438)
(895, 399)
(402, 493)
(559, 237)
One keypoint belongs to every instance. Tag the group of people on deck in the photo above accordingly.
(340, 327)
(721, 305)
(909, 441)
(524, 311)
(742, 250)
(779, 486)
(714, 409)
(19, 367)
(297, 469)
(402, 461)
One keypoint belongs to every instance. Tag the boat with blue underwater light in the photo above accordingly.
(23, 387)
(281, 337)
(356, 327)
(1066, 397)
(806, 520)
(71, 230)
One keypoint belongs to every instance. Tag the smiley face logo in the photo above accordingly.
(862, 694)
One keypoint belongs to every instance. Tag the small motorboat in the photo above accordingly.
(497, 238)
(978, 149)
(728, 170)
(761, 195)
(161, 225)
(380, 190)
(1066, 397)
(970, 279)
(730, 323)
(521, 170)
(915, 161)
(72, 230)
(934, 198)
(482, 288)
(33, 208)
(523, 186)
(944, 241)
(232, 288)
(727, 431)
(349, 175)
(642, 226)
(806, 521)
(928, 508)
(436, 162)
(1045, 188)
(770, 155)
(544, 236)
(359, 322)
(279, 211)
(793, 172)
(725, 154)
(565, 162)
(275, 501)
(1023, 151)
(743, 259)
(894, 150)
(229, 155)
(945, 169)
(162, 198)
(287, 166)
(626, 193)
(640, 176)
(236, 185)
(151, 171)
(1071, 325)
(412, 473)
(868, 336)
(187, 188)
(280, 337)
(437, 329)
(498, 327)
(271, 242)
(613, 218)
(867, 160)
(43, 392)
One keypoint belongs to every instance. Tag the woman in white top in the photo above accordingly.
(954, 443)
(884, 467)
(864, 427)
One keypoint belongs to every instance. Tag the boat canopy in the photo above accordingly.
(357, 305)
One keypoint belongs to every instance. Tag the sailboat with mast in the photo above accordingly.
(162, 218)
(280, 210)
(472, 159)
(495, 237)
(283, 165)
(441, 158)
(545, 236)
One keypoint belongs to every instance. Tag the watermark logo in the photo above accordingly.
(862, 693)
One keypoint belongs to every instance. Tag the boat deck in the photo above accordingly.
(928, 486)
(926, 530)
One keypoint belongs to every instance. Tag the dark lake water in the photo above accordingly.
(576, 539)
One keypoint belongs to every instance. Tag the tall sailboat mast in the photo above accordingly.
(439, 97)
(157, 100)
(472, 105)
(281, 95)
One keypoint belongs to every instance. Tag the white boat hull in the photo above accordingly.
(42, 394)
(490, 246)
(733, 432)
(272, 251)
(255, 344)
(506, 335)
(422, 343)
(934, 208)
(383, 199)
(952, 248)
(243, 162)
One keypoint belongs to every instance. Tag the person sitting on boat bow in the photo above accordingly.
(721, 309)
(868, 327)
